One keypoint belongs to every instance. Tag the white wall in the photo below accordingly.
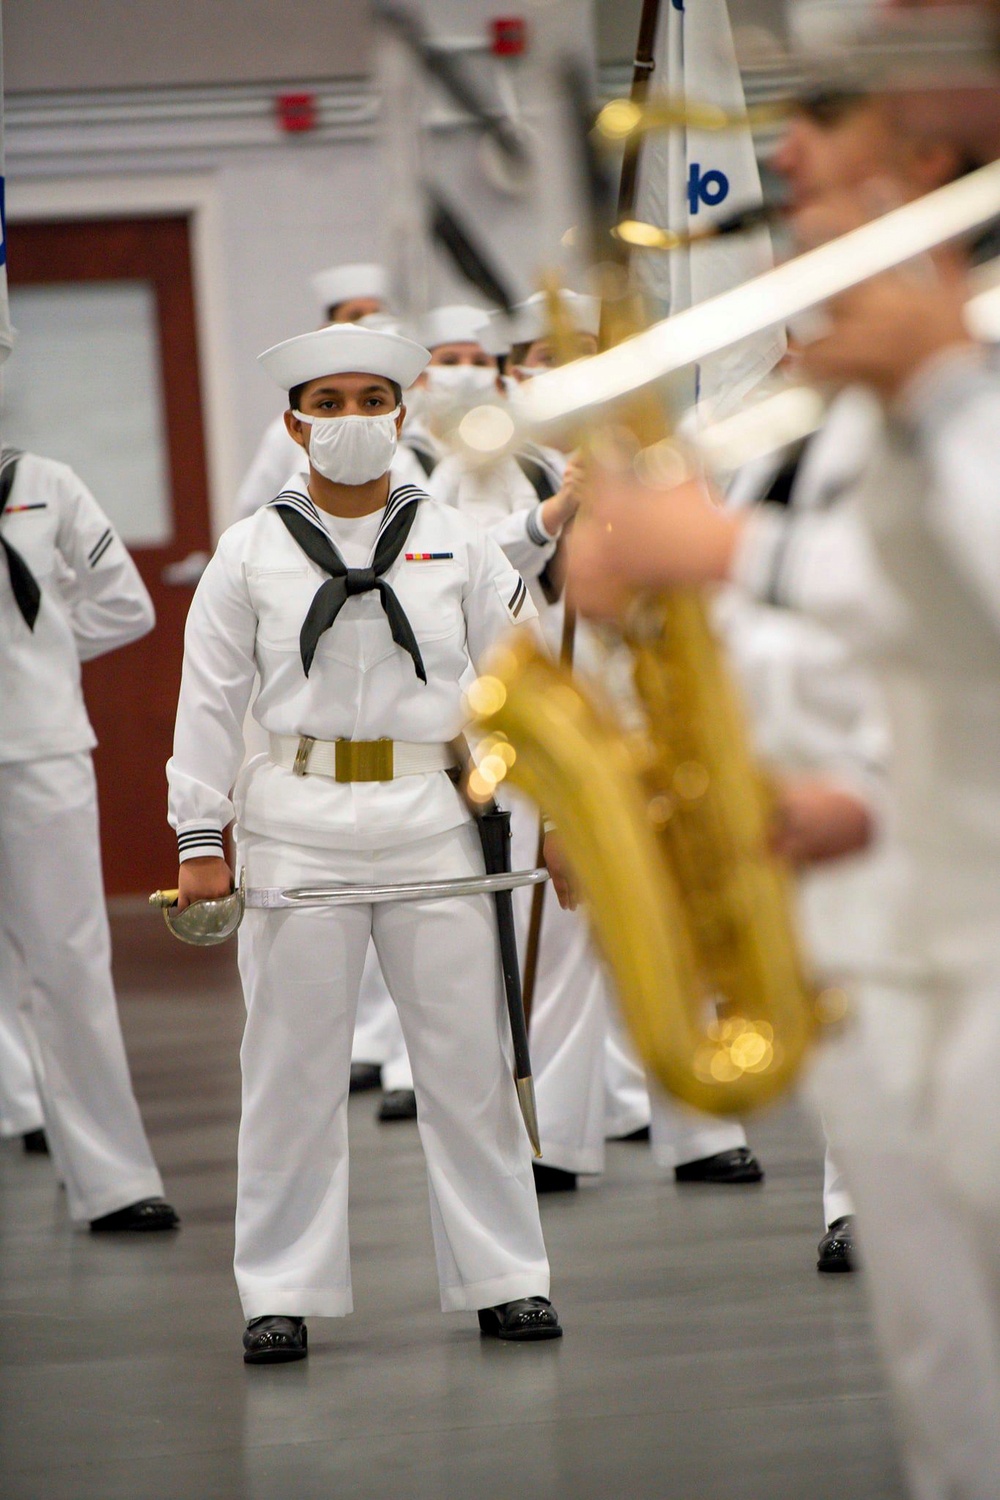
(269, 209)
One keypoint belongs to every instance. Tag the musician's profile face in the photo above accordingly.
(836, 146)
(831, 145)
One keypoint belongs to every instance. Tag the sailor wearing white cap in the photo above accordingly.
(50, 858)
(524, 501)
(349, 293)
(362, 605)
(346, 294)
(461, 373)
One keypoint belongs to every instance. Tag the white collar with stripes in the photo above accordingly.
(300, 500)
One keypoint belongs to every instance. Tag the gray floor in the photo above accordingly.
(704, 1358)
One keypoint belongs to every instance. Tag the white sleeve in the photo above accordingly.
(496, 598)
(269, 471)
(952, 410)
(824, 564)
(109, 605)
(522, 538)
(216, 684)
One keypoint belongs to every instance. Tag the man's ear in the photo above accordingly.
(297, 430)
(400, 419)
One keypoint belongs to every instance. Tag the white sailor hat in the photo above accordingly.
(458, 323)
(340, 283)
(341, 349)
(529, 320)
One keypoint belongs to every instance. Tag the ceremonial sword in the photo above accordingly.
(206, 923)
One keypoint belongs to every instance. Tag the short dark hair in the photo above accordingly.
(295, 394)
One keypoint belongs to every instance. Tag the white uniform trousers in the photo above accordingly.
(53, 893)
(568, 1020)
(378, 1036)
(301, 974)
(837, 1201)
(678, 1134)
(20, 1106)
(910, 1099)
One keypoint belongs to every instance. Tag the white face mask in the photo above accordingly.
(451, 390)
(352, 450)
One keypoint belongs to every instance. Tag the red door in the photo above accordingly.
(131, 694)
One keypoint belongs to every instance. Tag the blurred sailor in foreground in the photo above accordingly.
(361, 604)
(50, 857)
(906, 570)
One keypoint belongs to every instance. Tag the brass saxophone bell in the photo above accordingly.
(203, 924)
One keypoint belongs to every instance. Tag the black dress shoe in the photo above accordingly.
(365, 1077)
(397, 1104)
(526, 1320)
(35, 1143)
(148, 1216)
(274, 1341)
(836, 1248)
(725, 1167)
(553, 1179)
(634, 1137)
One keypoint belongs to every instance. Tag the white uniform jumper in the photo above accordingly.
(910, 573)
(301, 969)
(50, 858)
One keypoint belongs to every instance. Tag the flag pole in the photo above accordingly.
(642, 69)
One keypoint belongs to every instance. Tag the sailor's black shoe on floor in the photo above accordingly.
(148, 1216)
(274, 1341)
(634, 1137)
(527, 1319)
(365, 1077)
(725, 1167)
(552, 1179)
(35, 1143)
(836, 1248)
(397, 1104)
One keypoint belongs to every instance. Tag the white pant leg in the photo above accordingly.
(378, 1036)
(50, 874)
(568, 1020)
(837, 1203)
(626, 1093)
(441, 962)
(301, 971)
(291, 1229)
(20, 1106)
(680, 1134)
(910, 1101)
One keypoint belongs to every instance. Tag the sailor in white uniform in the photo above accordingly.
(361, 607)
(906, 571)
(459, 374)
(50, 859)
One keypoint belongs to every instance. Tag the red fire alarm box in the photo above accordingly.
(296, 112)
(510, 36)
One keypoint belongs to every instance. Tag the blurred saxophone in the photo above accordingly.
(667, 837)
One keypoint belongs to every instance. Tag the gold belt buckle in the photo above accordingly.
(300, 765)
(364, 760)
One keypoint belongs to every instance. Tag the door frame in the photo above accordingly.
(134, 196)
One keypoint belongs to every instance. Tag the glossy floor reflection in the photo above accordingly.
(704, 1358)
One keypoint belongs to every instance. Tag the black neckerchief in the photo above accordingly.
(303, 521)
(27, 594)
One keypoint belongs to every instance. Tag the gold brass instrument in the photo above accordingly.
(668, 836)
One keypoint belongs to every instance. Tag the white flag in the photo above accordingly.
(690, 178)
